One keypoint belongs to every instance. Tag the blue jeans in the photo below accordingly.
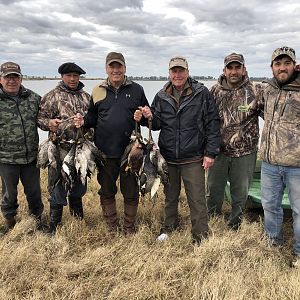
(274, 179)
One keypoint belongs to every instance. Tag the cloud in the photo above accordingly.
(42, 34)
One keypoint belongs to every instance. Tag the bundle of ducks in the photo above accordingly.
(79, 159)
(146, 162)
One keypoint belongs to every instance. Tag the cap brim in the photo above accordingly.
(177, 65)
(231, 61)
(284, 54)
(10, 72)
(116, 60)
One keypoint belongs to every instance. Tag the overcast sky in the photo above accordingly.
(42, 34)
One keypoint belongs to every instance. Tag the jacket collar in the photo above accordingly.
(293, 85)
(106, 84)
(23, 92)
(63, 86)
(222, 81)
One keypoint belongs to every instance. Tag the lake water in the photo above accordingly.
(150, 87)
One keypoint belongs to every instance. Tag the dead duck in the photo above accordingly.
(149, 180)
(134, 152)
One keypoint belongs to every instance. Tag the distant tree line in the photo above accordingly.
(138, 78)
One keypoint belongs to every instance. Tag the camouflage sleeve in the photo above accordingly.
(259, 91)
(211, 126)
(91, 117)
(48, 110)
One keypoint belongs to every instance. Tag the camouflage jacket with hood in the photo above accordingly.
(239, 109)
(63, 103)
(19, 138)
(280, 143)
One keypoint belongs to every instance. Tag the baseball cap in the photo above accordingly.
(178, 61)
(10, 68)
(290, 52)
(115, 57)
(234, 57)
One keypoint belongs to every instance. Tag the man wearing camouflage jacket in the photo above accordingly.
(280, 146)
(56, 108)
(19, 142)
(237, 99)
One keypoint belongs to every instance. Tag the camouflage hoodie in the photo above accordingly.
(238, 110)
(280, 143)
(62, 103)
(18, 129)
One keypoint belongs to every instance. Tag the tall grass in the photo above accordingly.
(84, 261)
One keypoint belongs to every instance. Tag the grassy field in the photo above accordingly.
(84, 261)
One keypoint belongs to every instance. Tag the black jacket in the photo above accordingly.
(111, 114)
(189, 130)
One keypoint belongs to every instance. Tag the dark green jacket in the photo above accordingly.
(19, 138)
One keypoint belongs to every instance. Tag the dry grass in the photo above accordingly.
(84, 261)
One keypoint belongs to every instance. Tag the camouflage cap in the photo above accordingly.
(290, 52)
(178, 61)
(234, 57)
(10, 68)
(115, 57)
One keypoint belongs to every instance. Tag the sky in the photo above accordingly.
(40, 35)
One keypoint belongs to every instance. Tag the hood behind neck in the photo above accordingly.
(223, 82)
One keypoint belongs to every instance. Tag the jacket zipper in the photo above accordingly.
(287, 98)
(24, 133)
(270, 127)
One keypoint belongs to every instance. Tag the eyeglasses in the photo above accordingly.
(11, 77)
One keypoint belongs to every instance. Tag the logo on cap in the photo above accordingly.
(10, 68)
(234, 57)
(290, 52)
(178, 61)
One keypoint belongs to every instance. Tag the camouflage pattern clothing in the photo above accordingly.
(18, 128)
(238, 109)
(280, 143)
(63, 103)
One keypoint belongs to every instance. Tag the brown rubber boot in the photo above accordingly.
(109, 211)
(130, 211)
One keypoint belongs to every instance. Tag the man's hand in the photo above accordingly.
(147, 113)
(142, 111)
(137, 115)
(78, 120)
(53, 124)
(207, 162)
